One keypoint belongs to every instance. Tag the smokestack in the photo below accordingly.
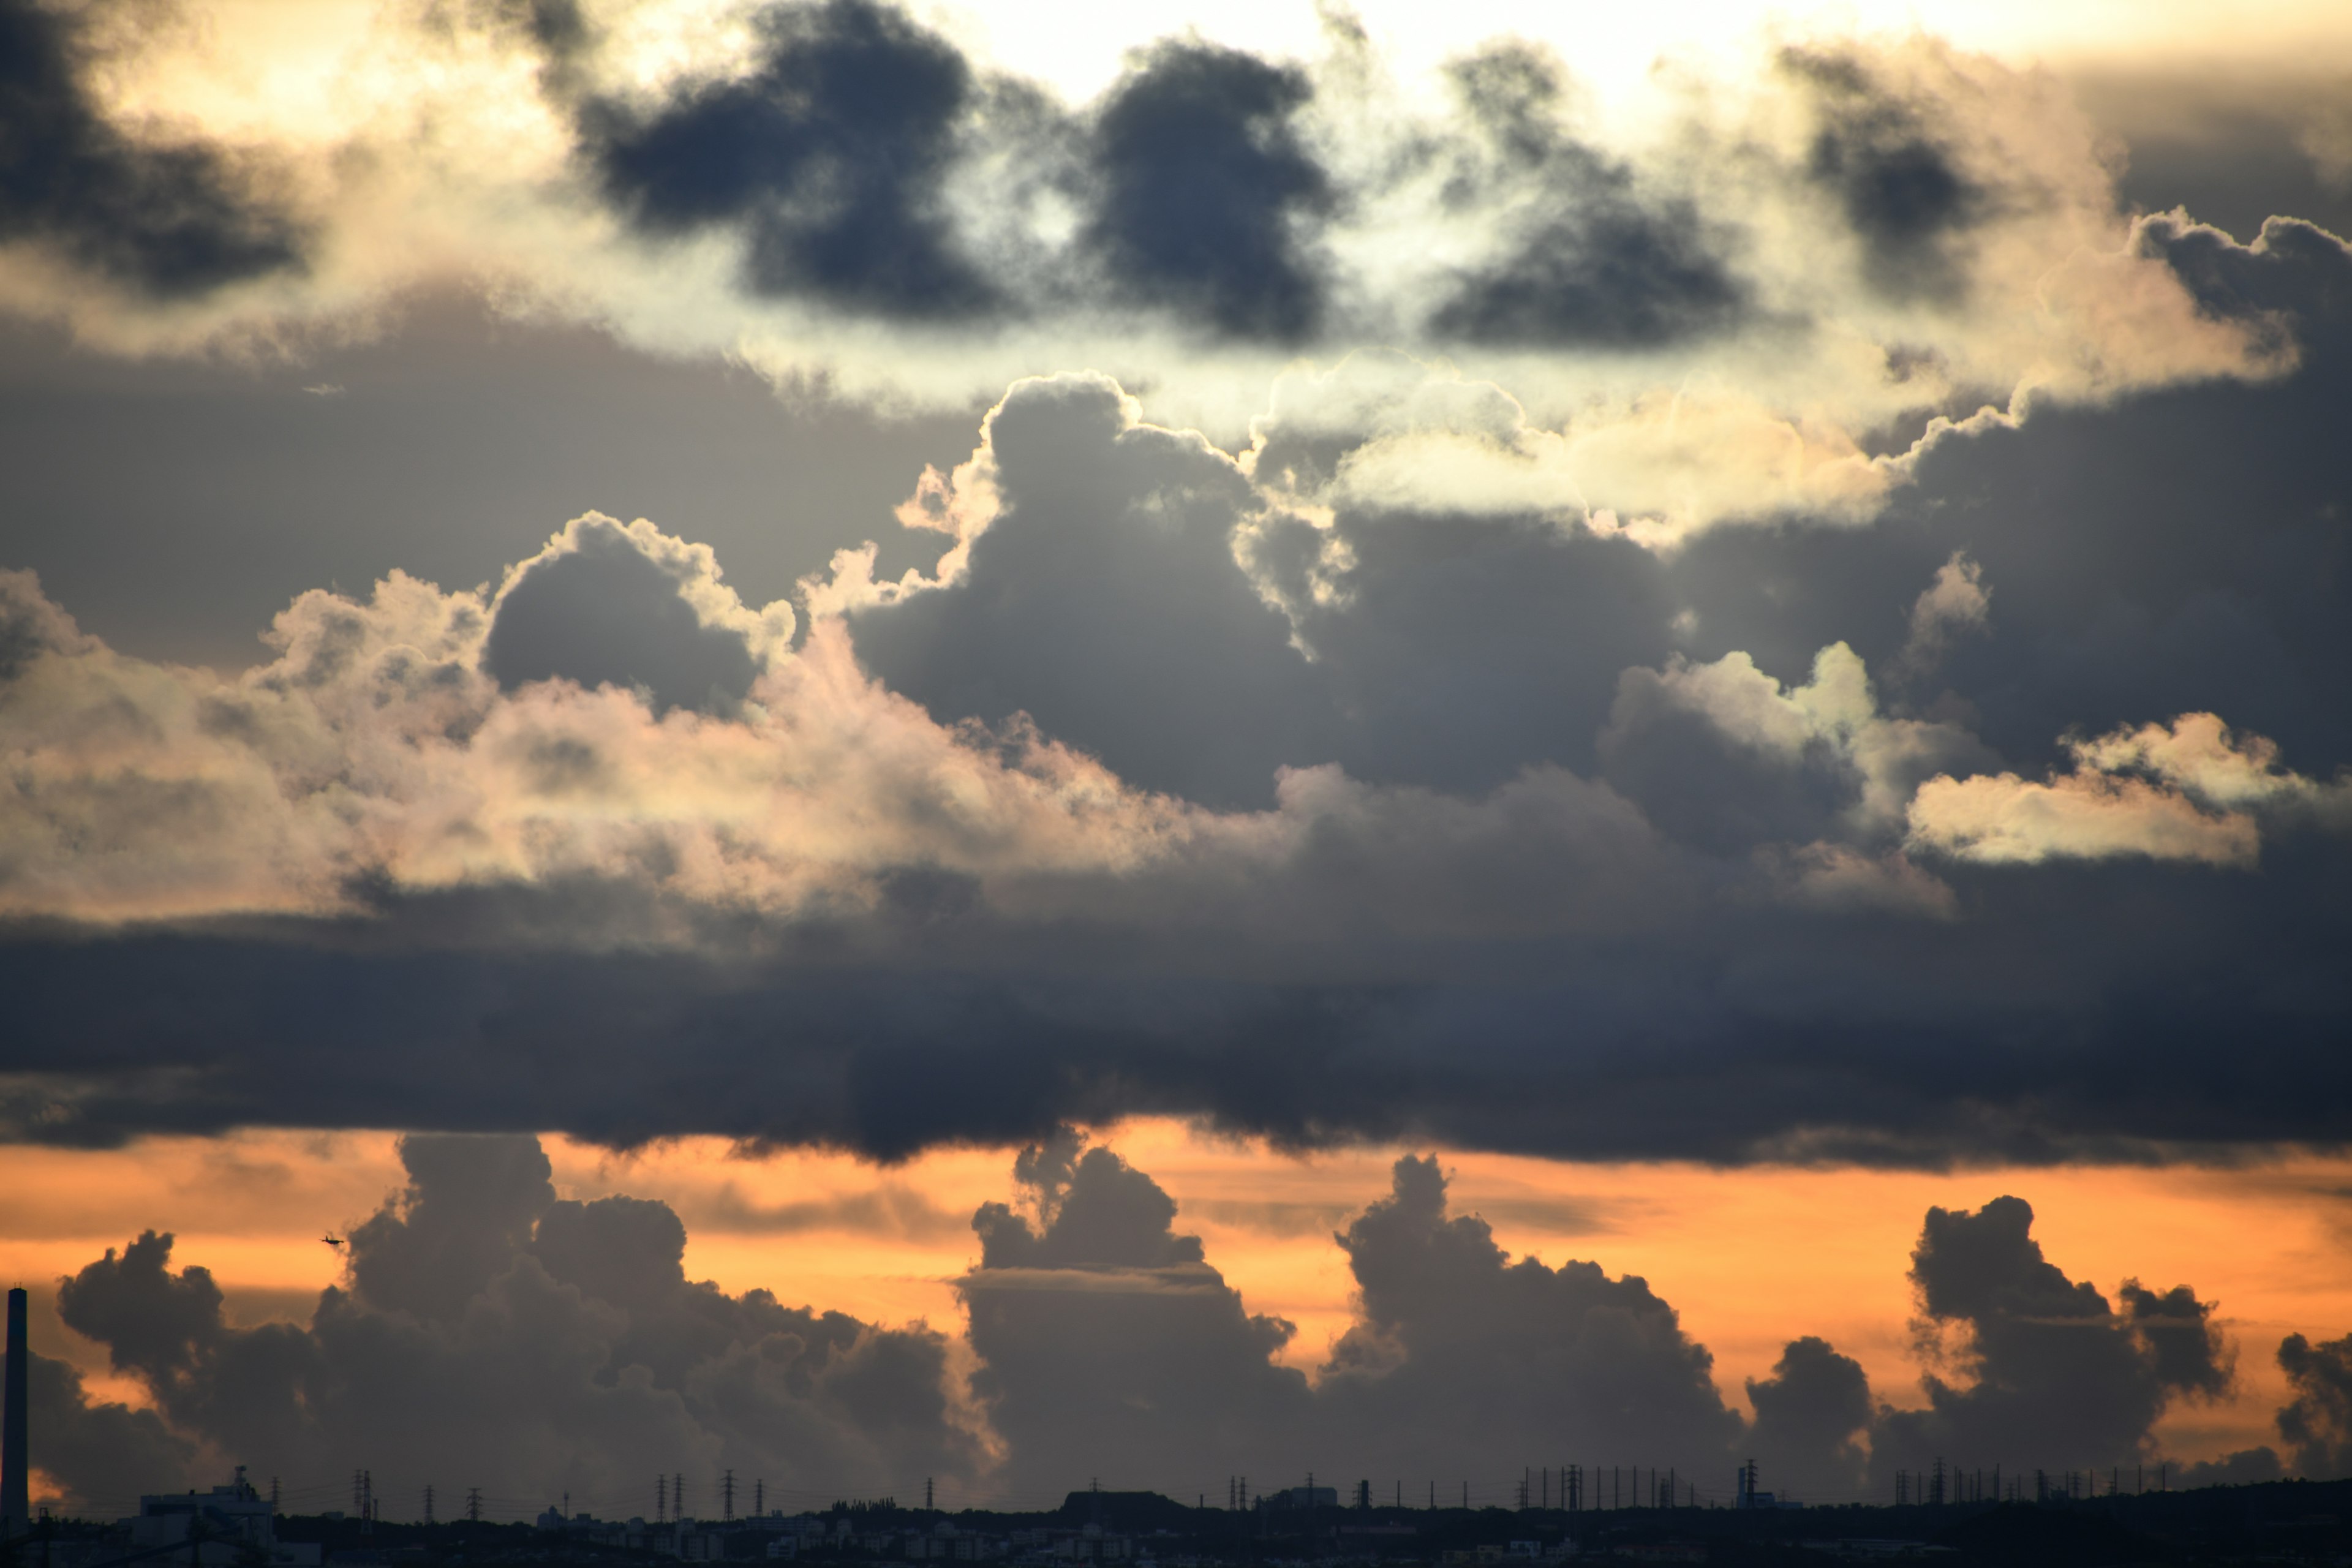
(16, 1480)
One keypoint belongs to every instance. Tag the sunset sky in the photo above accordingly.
(1007, 744)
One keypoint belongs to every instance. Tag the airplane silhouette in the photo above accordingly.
(334, 1241)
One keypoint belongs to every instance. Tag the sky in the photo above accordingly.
(999, 745)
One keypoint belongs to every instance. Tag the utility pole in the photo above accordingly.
(926, 1494)
(727, 1494)
(428, 1502)
(661, 1500)
(759, 1497)
(473, 1505)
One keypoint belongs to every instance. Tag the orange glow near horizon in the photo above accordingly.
(1750, 1259)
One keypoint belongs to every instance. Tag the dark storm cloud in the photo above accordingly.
(1760, 1035)
(603, 612)
(1898, 182)
(1590, 265)
(1207, 197)
(833, 153)
(1668, 966)
(2058, 1373)
(170, 219)
(530, 1343)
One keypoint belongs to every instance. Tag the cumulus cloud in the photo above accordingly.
(1463, 1359)
(1116, 536)
(1813, 1412)
(526, 1342)
(1818, 756)
(1506, 1358)
(1363, 752)
(2176, 792)
(1091, 1310)
(2044, 1370)
(2316, 1424)
(1163, 767)
(523, 1342)
(1954, 606)
(605, 604)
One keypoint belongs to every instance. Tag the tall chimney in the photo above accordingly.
(15, 1487)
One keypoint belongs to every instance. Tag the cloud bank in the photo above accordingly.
(494, 1336)
(1480, 821)
(1852, 235)
(1679, 642)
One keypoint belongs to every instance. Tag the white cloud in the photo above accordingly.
(2186, 791)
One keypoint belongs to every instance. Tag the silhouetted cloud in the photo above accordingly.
(1090, 1310)
(2316, 1424)
(525, 1342)
(2053, 1370)
(89, 1449)
(1811, 1413)
(1463, 1353)
(531, 1341)
(832, 152)
(171, 219)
